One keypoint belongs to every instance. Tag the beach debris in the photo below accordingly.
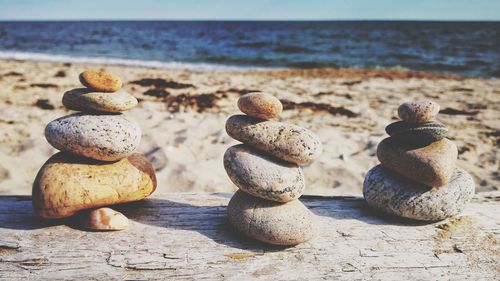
(266, 170)
(104, 219)
(97, 165)
(418, 177)
(44, 104)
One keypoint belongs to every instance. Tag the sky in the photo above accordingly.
(250, 9)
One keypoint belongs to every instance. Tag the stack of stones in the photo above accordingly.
(97, 165)
(266, 170)
(418, 178)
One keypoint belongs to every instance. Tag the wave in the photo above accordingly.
(9, 55)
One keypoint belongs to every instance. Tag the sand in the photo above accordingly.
(182, 116)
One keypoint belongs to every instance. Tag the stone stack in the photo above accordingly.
(266, 170)
(417, 177)
(97, 165)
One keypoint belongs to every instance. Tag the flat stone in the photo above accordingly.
(100, 81)
(418, 111)
(389, 192)
(263, 175)
(104, 219)
(260, 105)
(271, 222)
(422, 133)
(285, 141)
(68, 183)
(101, 137)
(431, 165)
(83, 99)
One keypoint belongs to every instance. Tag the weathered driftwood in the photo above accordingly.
(186, 236)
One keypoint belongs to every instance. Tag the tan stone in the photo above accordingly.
(100, 81)
(84, 99)
(432, 165)
(418, 111)
(67, 183)
(260, 105)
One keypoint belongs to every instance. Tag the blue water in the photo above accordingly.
(463, 48)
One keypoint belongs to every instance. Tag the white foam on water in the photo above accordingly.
(13, 55)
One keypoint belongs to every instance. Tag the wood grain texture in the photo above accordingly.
(186, 236)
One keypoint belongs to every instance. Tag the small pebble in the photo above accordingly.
(418, 111)
(104, 219)
(100, 81)
(260, 105)
(262, 175)
(392, 193)
(271, 222)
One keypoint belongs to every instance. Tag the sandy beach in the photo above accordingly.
(182, 115)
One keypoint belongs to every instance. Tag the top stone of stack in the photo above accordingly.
(416, 112)
(100, 95)
(100, 81)
(260, 105)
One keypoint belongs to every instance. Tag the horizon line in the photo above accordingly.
(254, 20)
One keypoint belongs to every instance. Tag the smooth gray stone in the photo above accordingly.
(100, 137)
(285, 141)
(263, 175)
(394, 194)
(271, 222)
(422, 133)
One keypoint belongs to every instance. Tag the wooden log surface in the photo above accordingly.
(186, 236)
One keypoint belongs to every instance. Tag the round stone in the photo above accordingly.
(431, 165)
(83, 99)
(271, 222)
(67, 183)
(394, 194)
(101, 137)
(100, 81)
(418, 111)
(421, 133)
(260, 105)
(285, 141)
(104, 219)
(263, 175)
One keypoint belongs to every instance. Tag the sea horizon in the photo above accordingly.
(462, 48)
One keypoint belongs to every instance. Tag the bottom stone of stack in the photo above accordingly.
(69, 183)
(271, 222)
(392, 193)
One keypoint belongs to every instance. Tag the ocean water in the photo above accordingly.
(463, 48)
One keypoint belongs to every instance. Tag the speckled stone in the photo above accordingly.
(104, 219)
(101, 137)
(83, 99)
(263, 175)
(285, 141)
(100, 81)
(391, 193)
(422, 133)
(260, 105)
(68, 183)
(271, 222)
(431, 165)
(418, 111)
